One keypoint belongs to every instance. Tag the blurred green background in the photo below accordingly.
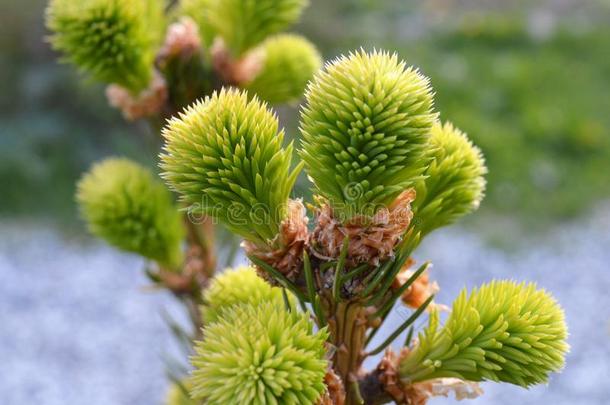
(528, 81)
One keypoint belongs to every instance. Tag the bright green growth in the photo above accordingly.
(502, 331)
(225, 156)
(130, 209)
(260, 355)
(111, 40)
(178, 395)
(235, 287)
(365, 130)
(243, 24)
(290, 62)
(455, 182)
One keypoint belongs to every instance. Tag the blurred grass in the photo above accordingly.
(530, 89)
(539, 109)
(528, 81)
(53, 123)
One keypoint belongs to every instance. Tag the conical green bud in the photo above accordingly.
(455, 182)
(365, 130)
(224, 156)
(234, 287)
(502, 331)
(290, 61)
(112, 40)
(243, 24)
(127, 207)
(260, 355)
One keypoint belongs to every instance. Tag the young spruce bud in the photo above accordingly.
(502, 331)
(130, 209)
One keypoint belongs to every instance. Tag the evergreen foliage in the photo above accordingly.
(290, 61)
(501, 331)
(114, 41)
(127, 207)
(243, 24)
(366, 126)
(260, 355)
(455, 184)
(234, 287)
(225, 155)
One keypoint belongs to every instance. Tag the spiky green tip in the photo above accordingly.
(502, 331)
(290, 61)
(455, 182)
(365, 130)
(243, 24)
(260, 355)
(224, 156)
(235, 287)
(113, 41)
(127, 207)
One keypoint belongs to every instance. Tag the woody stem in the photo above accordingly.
(347, 326)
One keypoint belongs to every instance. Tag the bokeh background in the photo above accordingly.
(529, 81)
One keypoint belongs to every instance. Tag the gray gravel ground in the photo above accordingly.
(76, 327)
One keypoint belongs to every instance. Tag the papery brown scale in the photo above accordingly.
(147, 103)
(421, 289)
(335, 392)
(182, 39)
(236, 71)
(192, 276)
(371, 239)
(285, 252)
(393, 386)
